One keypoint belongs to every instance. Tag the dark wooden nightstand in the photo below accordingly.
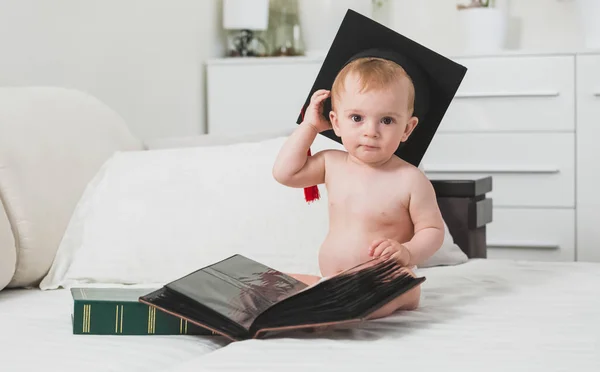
(467, 211)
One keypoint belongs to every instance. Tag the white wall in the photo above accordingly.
(142, 57)
(537, 25)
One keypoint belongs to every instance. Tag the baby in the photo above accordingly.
(379, 204)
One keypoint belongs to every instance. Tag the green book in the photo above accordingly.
(117, 311)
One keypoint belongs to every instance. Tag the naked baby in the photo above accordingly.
(380, 203)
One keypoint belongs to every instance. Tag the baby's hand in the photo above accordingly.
(391, 248)
(314, 112)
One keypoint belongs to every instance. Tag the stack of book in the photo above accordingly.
(117, 311)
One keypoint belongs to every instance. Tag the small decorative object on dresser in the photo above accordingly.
(245, 17)
(483, 24)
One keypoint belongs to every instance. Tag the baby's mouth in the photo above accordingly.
(369, 147)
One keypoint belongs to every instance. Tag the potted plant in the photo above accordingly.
(484, 25)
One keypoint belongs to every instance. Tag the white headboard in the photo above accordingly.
(52, 142)
(8, 252)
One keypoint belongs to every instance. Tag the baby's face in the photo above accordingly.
(372, 123)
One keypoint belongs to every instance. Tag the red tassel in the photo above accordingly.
(311, 193)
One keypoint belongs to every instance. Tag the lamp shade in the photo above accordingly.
(245, 14)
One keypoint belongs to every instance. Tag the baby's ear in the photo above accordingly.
(410, 126)
(334, 122)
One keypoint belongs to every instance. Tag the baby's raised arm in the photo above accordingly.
(293, 167)
(427, 220)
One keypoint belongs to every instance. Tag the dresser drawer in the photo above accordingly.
(514, 94)
(527, 169)
(532, 234)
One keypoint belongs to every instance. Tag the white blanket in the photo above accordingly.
(481, 316)
(36, 335)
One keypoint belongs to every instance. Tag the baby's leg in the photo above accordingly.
(406, 301)
(306, 279)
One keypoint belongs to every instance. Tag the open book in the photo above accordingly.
(240, 298)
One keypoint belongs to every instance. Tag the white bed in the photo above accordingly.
(483, 315)
(36, 334)
(84, 203)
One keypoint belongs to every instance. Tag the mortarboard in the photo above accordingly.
(435, 78)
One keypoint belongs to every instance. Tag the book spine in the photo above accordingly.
(128, 318)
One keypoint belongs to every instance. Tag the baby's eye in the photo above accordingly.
(356, 118)
(387, 120)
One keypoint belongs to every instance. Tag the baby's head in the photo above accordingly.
(372, 108)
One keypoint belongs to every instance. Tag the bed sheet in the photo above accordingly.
(36, 335)
(484, 315)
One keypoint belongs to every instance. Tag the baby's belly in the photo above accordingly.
(344, 250)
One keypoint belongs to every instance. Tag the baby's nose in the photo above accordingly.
(371, 129)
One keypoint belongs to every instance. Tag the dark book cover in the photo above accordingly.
(240, 298)
(117, 311)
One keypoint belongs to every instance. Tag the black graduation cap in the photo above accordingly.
(435, 77)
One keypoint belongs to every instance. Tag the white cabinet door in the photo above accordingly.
(528, 169)
(588, 158)
(532, 234)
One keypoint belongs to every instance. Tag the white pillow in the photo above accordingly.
(152, 216)
(149, 217)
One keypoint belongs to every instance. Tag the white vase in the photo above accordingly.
(321, 19)
(589, 15)
(483, 29)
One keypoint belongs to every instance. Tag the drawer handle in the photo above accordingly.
(597, 93)
(528, 245)
(490, 169)
(507, 94)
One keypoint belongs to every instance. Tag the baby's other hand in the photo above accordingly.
(391, 248)
(314, 112)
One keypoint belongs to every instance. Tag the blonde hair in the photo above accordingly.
(373, 73)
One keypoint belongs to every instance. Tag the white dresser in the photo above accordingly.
(530, 121)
